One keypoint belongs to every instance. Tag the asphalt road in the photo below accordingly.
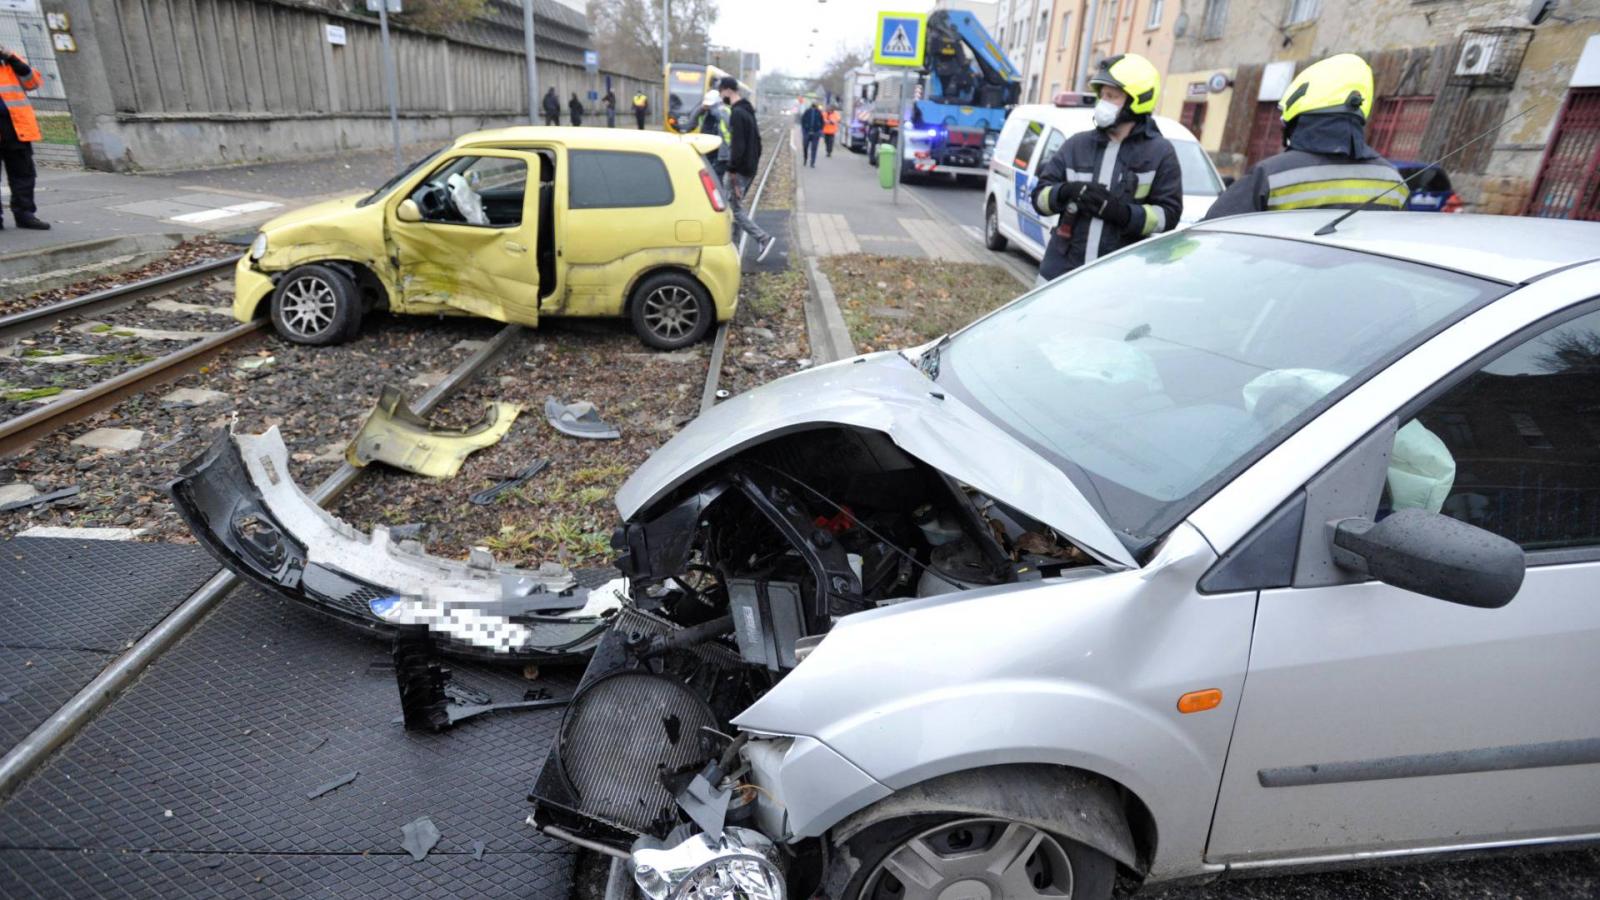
(1527, 876)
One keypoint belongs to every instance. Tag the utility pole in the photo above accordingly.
(391, 80)
(664, 33)
(533, 63)
(1087, 25)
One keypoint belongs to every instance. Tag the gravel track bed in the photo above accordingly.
(190, 252)
(317, 395)
(566, 513)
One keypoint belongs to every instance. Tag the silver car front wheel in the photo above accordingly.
(973, 859)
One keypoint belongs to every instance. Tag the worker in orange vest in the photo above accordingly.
(18, 130)
(830, 126)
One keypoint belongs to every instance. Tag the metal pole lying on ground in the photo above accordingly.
(533, 62)
(391, 80)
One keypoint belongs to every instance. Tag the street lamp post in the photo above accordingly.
(391, 80)
(533, 63)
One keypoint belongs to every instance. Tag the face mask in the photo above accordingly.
(1105, 113)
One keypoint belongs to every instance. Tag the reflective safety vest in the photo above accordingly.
(16, 102)
(1299, 179)
(640, 101)
(830, 122)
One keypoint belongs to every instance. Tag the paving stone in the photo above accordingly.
(187, 397)
(131, 332)
(60, 359)
(116, 439)
(14, 493)
(468, 346)
(428, 379)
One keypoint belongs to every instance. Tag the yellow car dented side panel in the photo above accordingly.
(719, 272)
(601, 289)
(334, 230)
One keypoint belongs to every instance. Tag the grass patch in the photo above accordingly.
(56, 129)
(25, 395)
(927, 297)
(565, 537)
(766, 293)
(132, 359)
(37, 353)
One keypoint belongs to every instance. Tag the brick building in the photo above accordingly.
(1445, 71)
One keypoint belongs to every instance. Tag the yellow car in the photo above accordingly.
(622, 223)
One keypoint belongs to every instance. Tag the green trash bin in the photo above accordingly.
(888, 166)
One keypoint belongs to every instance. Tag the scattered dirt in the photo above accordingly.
(767, 339)
(893, 302)
(192, 251)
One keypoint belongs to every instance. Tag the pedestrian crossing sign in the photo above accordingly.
(901, 38)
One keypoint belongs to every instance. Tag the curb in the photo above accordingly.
(825, 327)
(47, 268)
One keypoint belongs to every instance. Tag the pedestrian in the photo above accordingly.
(1115, 184)
(830, 127)
(610, 102)
(575, 107)
(18, 130)
(1326, 163)
(744, 152)
(641, 108)
(552, 108)
(810, 134)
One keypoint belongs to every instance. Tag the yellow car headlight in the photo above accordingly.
(258, 247)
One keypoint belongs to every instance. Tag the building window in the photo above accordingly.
(1157, 7)
(1569, 178)
(1109, 23)
(1397, 125)
(1266, 133)
(1003, 36)
(1055, 88)
(1033, 89)
(1066, 29)
(1193, 116)
(1303, 11)
(1044, 27)
(1216, 19)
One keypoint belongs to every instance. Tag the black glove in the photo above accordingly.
(1062, 194)
(1098, 201)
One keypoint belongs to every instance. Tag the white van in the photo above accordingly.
(1034, 132)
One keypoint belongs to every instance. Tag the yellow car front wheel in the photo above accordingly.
(317, 305)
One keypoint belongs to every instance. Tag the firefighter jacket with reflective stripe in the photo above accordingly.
(1141, 170)
(1328, 166)
(15, 79)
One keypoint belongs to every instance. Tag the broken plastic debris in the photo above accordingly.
(331, 786)
(488, 495)
(255, 362)
(579, 419)
(41, 500)
(395, 435)
(420, 837)
(428, 701)
(477, 849)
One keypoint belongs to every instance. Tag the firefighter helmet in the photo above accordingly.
(1340, 83)
(1135, 76)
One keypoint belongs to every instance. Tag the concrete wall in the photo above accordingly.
(1413, 47)
(178, 84)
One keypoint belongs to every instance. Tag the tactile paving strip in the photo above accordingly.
(68, 607)
(229, 730)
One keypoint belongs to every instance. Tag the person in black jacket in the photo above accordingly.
(552, 108)
(610, 101)
(575, 107)
(744, 153)
(1116, 184)
(810, 133)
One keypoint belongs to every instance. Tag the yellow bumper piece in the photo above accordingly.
(398, 437)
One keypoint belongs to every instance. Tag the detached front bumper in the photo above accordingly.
(241, 504)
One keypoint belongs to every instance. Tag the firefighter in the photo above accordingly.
(1116, 183)
(1327, 163)
(18, 130)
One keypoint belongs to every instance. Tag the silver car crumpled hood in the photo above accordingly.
(885, 393)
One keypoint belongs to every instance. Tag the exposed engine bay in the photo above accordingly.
(734, 578)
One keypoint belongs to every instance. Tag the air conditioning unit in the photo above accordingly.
(1491, 55)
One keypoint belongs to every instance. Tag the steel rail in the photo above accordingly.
(719, 344)
(39, 318)
(33, 750)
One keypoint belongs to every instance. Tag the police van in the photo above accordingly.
(1033, 133)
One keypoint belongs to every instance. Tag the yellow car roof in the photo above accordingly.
(592, 138)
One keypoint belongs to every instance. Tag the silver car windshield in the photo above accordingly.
(1154, 376)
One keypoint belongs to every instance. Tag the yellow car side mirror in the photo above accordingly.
(408, 211)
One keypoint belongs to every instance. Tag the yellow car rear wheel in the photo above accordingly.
(670, 311)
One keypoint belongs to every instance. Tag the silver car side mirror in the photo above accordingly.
(1432, 555)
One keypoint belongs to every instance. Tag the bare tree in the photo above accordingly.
(438, 15)
(627, 33)
(833, 78)
(1568, 351)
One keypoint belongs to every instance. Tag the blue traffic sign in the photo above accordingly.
(900, 40)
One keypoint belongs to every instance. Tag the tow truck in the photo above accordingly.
(957, 102)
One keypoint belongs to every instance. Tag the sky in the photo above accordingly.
(780, 30)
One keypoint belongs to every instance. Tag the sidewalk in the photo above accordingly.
(147, 211)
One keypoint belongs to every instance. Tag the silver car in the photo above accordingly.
(1242, 549)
